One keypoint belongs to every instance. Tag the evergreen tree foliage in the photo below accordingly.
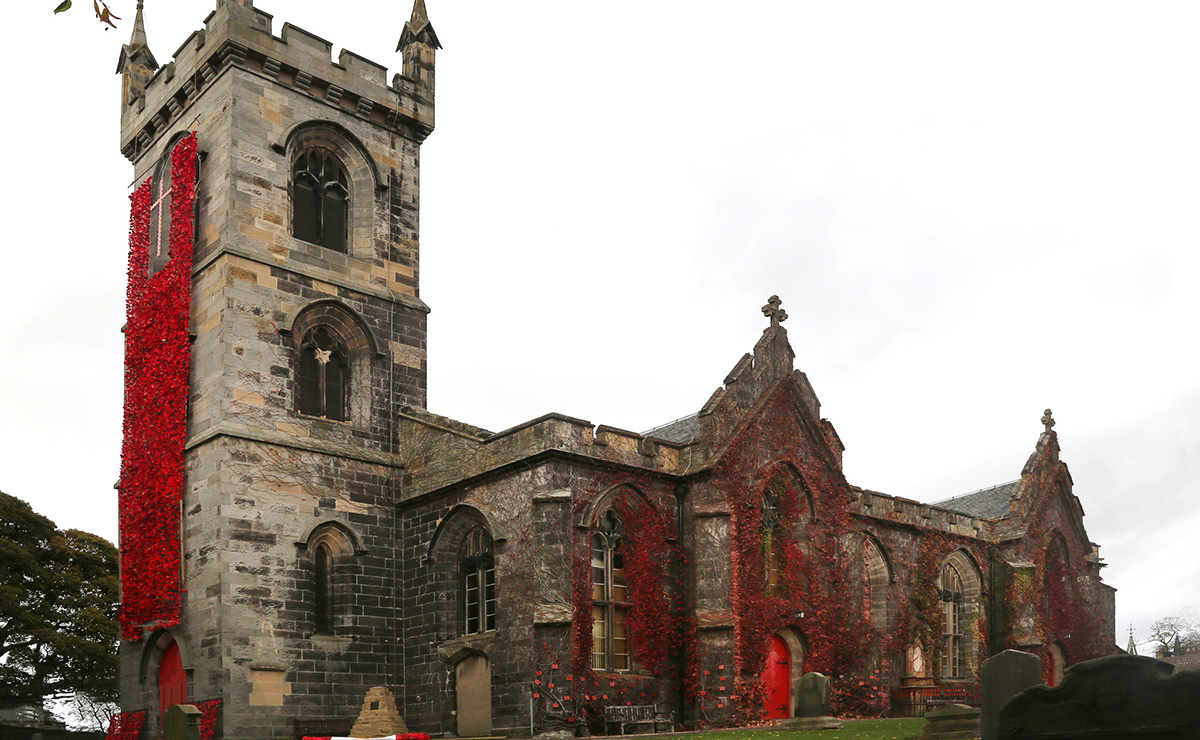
(58, 609)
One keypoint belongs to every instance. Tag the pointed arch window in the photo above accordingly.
(611, 597)
(952, 621)
(320, 199)
(772, 535)
(324, 376)
(331, 574)
(323, 591)
(478, 581)
(876, 579)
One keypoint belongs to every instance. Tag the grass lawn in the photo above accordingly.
(874, 729)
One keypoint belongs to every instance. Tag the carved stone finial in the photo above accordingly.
(1048, 420)
(774, 312)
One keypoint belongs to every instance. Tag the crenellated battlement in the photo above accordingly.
(238, 35)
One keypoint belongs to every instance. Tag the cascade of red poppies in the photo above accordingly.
(126, 726)
(157, 357)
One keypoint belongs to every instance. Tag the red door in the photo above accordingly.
(777, 678)
(172, 681)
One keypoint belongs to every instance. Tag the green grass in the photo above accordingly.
(874, 729)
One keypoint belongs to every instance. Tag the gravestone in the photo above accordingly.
(1121, 697)
(812, 696)
(181, 722)
(951, 721)
(1003, 676)
(812, 704)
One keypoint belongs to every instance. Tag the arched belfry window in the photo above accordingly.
(952, 594)
(611, 596)
(478, 568)
(324, 376)
(320, 199)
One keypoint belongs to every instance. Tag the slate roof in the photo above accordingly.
(680, 430)
(1185, 662)
(988, 503)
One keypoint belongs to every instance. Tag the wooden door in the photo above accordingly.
(172, 681)
(777, 678)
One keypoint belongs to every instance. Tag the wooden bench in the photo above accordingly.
(636, 714)
(340, 727)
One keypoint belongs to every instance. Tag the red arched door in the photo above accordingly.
(777, 678)
(172, 681)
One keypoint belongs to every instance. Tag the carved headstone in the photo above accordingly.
(1003, 676)
(1121, 697)
(379, 715)
(181, 722)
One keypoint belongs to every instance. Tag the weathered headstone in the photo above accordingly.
(181, 722)
(812, 704)
(1003, 676)
(951, 721)
(1121, 697)
(812, 695)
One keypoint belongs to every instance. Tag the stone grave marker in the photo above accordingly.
(1121, 697)
(812, 704)
(181, 722)
(1003, 676)
(951, 721)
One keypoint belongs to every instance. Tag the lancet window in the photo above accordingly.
(611, 596)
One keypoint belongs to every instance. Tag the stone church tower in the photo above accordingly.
(307, 330)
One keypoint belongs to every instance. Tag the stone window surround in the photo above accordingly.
(972, 609)
(365, 213)
(344, 549)
(350, 332)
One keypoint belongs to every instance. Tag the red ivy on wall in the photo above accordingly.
(208, 717)
(157, 357)
(126, 726)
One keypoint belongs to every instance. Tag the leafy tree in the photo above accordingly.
(1177, 634)
(58, 609)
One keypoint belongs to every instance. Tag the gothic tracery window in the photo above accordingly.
(320, 200)
(952, 621)
(322, 380)
(611, 597)
(478, 581)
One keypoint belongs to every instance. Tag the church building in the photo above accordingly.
(303, 539)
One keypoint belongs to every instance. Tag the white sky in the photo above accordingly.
(971, 211)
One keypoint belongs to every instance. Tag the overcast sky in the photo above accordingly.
(972, 212)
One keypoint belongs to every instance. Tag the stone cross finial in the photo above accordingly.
(1048, 420)
(774, 312)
